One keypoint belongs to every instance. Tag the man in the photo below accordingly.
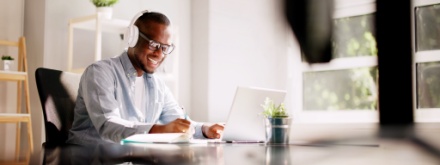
(119, 97)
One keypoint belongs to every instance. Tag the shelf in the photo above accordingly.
(21, 78)
(12, 75)
(89, 23)
(14, 117)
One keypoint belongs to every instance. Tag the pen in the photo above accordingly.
(217, 142)
(184, 113)
(191, 129)
(243, 141)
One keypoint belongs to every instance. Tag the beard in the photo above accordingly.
(143, 64)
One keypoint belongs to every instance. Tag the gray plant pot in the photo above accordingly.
(278, 130)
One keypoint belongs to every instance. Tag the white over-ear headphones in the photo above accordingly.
(132, 33)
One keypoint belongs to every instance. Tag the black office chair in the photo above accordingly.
(57, 91)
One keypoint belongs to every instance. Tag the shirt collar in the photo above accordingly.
(129, 69)
(127, 65)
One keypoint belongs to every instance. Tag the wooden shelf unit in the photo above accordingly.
(21, 78)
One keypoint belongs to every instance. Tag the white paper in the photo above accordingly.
(158, 138)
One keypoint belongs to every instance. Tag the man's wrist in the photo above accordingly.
(156, 128)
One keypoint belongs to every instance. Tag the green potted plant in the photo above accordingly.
(7, 62)
(277, 122)
(270, 110)
(104, 7)
(104, 3)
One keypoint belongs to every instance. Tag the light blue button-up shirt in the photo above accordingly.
(105, 107)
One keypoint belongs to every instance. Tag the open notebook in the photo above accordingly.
(158, 138)
(165, 138)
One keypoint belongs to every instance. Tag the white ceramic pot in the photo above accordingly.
(7, 64)
(105, 12)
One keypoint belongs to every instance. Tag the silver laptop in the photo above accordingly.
(245, 122)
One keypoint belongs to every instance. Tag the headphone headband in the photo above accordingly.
(139, 14)
(132, 33)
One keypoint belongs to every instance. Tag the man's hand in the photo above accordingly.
(176, 126)
(213, 131)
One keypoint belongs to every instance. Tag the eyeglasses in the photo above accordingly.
(154, 45)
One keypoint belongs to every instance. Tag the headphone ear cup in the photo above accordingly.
(131, 34)
(134, 35)
(127, 37)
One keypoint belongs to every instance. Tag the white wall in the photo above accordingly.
(242, 43)
(199, 59)
(34, 32)
(11, 28)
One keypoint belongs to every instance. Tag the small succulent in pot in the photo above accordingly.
(271, 110)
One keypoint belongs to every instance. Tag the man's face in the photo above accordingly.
(147, 58)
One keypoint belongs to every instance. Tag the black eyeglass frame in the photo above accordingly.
(154, 45)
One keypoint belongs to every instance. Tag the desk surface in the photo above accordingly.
(389, 152)
(369, 150)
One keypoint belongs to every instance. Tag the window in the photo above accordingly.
(345, 89)
(427, 59)
(351, 83)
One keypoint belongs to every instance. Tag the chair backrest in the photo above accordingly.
(58, 91)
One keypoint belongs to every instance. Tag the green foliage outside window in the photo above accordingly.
(345, 89)
(354, 36)
(428, 27)
(428, 88)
